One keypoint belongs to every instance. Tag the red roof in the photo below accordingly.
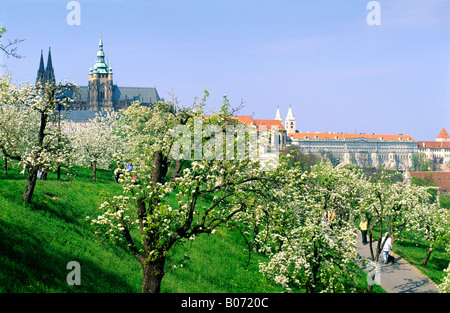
(248, 120)
(339, 136)
(433, 145)
(245, 119)
(269, 124)
(443, 134)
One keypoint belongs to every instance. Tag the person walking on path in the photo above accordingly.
(386, 247)
(363, 229)
(399, 277)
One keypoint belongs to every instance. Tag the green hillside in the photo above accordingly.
(37, 241)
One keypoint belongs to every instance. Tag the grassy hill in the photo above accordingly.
(38, 240)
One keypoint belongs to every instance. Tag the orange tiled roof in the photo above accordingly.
(338, 136)
(269, 124)
(443, 134)
(245, 119)
(433, 145)
(248, 120)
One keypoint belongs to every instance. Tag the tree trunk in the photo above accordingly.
(177, 169)
(5, 166)
(372, 257)
(94, 170)
(153, 273)
(311, 283)
(32, 174)
(379, 243)
(427, 256)
(157, 166)
(31, 183)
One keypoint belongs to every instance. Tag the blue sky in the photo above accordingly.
(319, 56)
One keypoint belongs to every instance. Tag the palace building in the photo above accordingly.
(364, 150)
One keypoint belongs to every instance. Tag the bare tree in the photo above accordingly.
(9, 48)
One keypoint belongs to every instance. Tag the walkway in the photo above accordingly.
(400, 276)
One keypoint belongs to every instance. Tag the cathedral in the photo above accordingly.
(101, 92)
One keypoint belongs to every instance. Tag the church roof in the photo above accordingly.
(141, 94)
(79, 115)
(443, 134)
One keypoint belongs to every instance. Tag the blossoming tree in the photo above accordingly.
(313, 220)
(444, 286)
(163, 209)
(95, 144)
(428, 222)
(393, 206)
(28, 122)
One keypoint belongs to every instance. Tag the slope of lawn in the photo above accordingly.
(38, 240)
(414, 251)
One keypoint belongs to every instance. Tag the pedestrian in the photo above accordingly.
(386, 247)
(130, 166)
(331, 215)
(363, 229)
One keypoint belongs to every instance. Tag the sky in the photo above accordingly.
(322, 57)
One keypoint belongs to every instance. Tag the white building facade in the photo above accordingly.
(438, 151)
(364, 150)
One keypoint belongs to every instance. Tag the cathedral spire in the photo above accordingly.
(290, 115)
(49, 72)
(278, 115)
(101, 67)
(41, 71)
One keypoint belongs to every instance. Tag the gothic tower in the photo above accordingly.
(278, 115)
(49, 72)
(45, 74)
(100, 87)
(289, 123)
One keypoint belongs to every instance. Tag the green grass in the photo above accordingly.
(414, 252)
(216, 263)
(445, 201)
(37, 240)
